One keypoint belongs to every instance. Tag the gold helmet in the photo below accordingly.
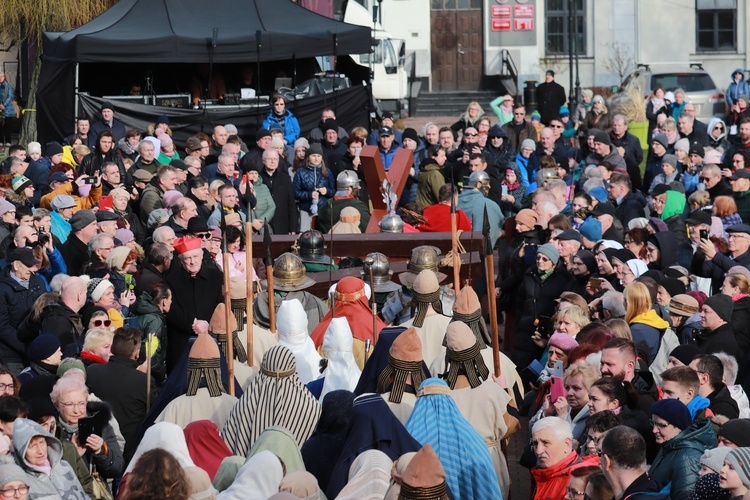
(289, 274)
(425, 257)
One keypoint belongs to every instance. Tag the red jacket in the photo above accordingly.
(552, 483)
(438, 219)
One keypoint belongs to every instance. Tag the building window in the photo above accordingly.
(716, 25)
(557, 27)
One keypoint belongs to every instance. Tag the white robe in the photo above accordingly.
(202, 406)
(431, 333)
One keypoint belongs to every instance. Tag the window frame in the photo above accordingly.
(715, 13)
(582, 48)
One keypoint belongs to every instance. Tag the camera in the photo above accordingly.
(89, 180)
(42, 239)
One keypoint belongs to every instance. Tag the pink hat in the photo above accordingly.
(563, 341)
(713, 156)
(170, 197)
(166, 141)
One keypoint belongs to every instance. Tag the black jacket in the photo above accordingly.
(648, 394)
(633, 205)
(59, 320)
(722, 403)
(120, 384)
(147, 277)
(286, 218)
(192, 298)
(15, 304)
(117, 129)
(550, 97)
(75, 253)
(332, 154)
(741, 325)
(645, 488)
(720, 340)
(717, 267)
(633, 156)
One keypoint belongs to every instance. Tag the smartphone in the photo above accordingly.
(595, 284)
(357, 151)
(86, 427)
(504, 190)
(704, 234)
(557, 389)
(236, 175)
(557, 369)
(105, 202)
(89, 180)
(244, 178)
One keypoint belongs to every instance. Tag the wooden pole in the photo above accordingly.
(454, 251)
(268, 261)
(227, 318)
(373, 306)
(249, 301)
(148, 371)
(489, 271)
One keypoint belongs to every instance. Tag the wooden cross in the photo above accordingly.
(375, 174)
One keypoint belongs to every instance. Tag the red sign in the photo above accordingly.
(501, 11)
(523, 24)
(501, 25)
(523, 10)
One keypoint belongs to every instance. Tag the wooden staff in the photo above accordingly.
(268, 261)
(148, 371)
(227, 303)
(489, 271)
(454, 242)
(249, 272)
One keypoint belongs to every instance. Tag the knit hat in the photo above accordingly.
(682, 145)
(34, 147)
(744, 97)
(5, 206)
(42, 347)
(157, 218)
(81, 219)
(497, 131)
(591, 229)
(599, 193)
(96, 288)
(661, 139)
(712, 157)
(528, 143)
(424, 477)
(330, 124)
(410, 133)
(261, 133)
(162, 119)
(124, 235)
(535, 115)
(714, 458)
(315, 149)
(204, 362)
(12, 472)
(564, 111)
(697, 149)
(467, 309)
(550, 251)
(563, 341)
(54, 148)
(166, 141)
(106, 105)
(673, 286)
(722, 305)
(683, 305)
(463, 355)
(301, 143)
(218, 328)
(404, 359)
(602, 137)
(740, 460)
(673, 411)
(277, 142)
(20, 183)
(426, 293)
(527, 217)
(118, 256)
(70, 363)
(670, 160)
(685, 353)
(736, 431)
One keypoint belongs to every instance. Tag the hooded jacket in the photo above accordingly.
(430, 181)
(648, 327)
(722, 141)
(15, 303)
(290, 125)
(736, 89)
(672, 214)
(667, 244)
(61, 482)
(678, 460)
(152, 320)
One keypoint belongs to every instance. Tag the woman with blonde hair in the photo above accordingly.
(619, 327)
(97, 346)
(645, 323)
(468, 119)
(571, 319)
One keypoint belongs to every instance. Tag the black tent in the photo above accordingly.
(183, 31)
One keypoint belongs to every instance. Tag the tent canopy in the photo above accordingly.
(181, 31)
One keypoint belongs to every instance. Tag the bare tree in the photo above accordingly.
(555, 63)
(621, 60)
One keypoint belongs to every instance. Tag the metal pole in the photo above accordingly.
(77, 102)
(575, 49)
(570, 51)
(249, 300)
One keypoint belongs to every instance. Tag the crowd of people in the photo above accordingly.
(623, 292)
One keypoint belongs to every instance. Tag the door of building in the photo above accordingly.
(456, 27)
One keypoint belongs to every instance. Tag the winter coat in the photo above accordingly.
(99, 126)
(632, 206)
(265, 207)
(96, 159)
(147, 277)
(331, 211)
(519, 132)
(308, 179)
(717, 267)
(645, 488)
(15, 304)
(722, 403)
(648, 328)
(721, 339)
(552, 482)
(123, 387)
(111, 464)
(387, 156)
(152, 198)
(721, 142)
(601, 121)
(741, 324)
(61, 482)
(737, 88)
(59, 320)
(742, 199)
(75, 253)
(550, 97)
(6, 99)
(286, 217)
(678, 460)
(510, 209)
(290, 125)
(472, 202)
(82, 203)
(152, 320)
(430, 181)
(332, 154)
(192, 298)
(633, 156)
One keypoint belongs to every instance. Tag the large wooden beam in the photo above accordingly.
(375, 172)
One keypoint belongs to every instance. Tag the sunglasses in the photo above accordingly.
(556, 126)
(205, 236)
(102, 322)
(719, 128)
(472, 134)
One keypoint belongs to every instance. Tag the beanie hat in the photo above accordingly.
(736, 431)
(591, 229)
(661, 139)
(12, 472)
(602, 137)
(404, 359)
(54, 148)
(277, 142)
(744, 97)
(673, 411)
(162, 119)
(685, 353)
(550, 251)
(682, 145)
(673, 286)
(564, 111)
(528, 143)
(117, 257)
(722, 306)
(599, 193)
(497, 131)
(124, 235)
(315, 149)
(527, 217)
(166, 141)
(106, 105)
(330, 124)
(42, 347)
(20, 183)
(34, 147)
(563, 341)
(410, 133)
(301, 143)
(670, 160)
(683, 305)
(535, 115)
(740, 460)
(261, 133)
(714, 458)
(96, 288)
(712, 157)
(70, 363)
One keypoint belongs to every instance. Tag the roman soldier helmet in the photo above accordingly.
(289, 273)
(311, 247)
(347, 179)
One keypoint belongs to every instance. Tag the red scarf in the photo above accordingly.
(206, 447)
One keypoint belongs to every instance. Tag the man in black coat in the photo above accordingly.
(120, 384)
(75, 250)
(158, 262)
(629, 147)
(334, 148)
(718, 334)
(629, 204)
(61, 317)
(196, 291)
(19, 288)
(107, 122)
(286, 218)
(551, 96)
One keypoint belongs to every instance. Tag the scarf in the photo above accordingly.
(280, 118)
(544, 276)
(68, 429)
(45, 469)
(739, 296)
(511, 187)
(657, 103)
(469, 362)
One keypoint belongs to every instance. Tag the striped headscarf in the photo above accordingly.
(369, 477)
(437, 420)
(274, 397)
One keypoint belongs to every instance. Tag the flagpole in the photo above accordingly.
(227, 301)
(489, 271)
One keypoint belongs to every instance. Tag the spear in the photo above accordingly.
(249, 272)
(227, 300)
(369, 261)
(454, 242)
(489, 271)
(268, 261)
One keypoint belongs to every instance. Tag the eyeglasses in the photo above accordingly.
(704, 179)
(11, 492)
(70, 406)
(719, 128)
(542, 258)
(735, 236)
(659, 425)
(99, 322)
(3, 387)
(471, 134)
